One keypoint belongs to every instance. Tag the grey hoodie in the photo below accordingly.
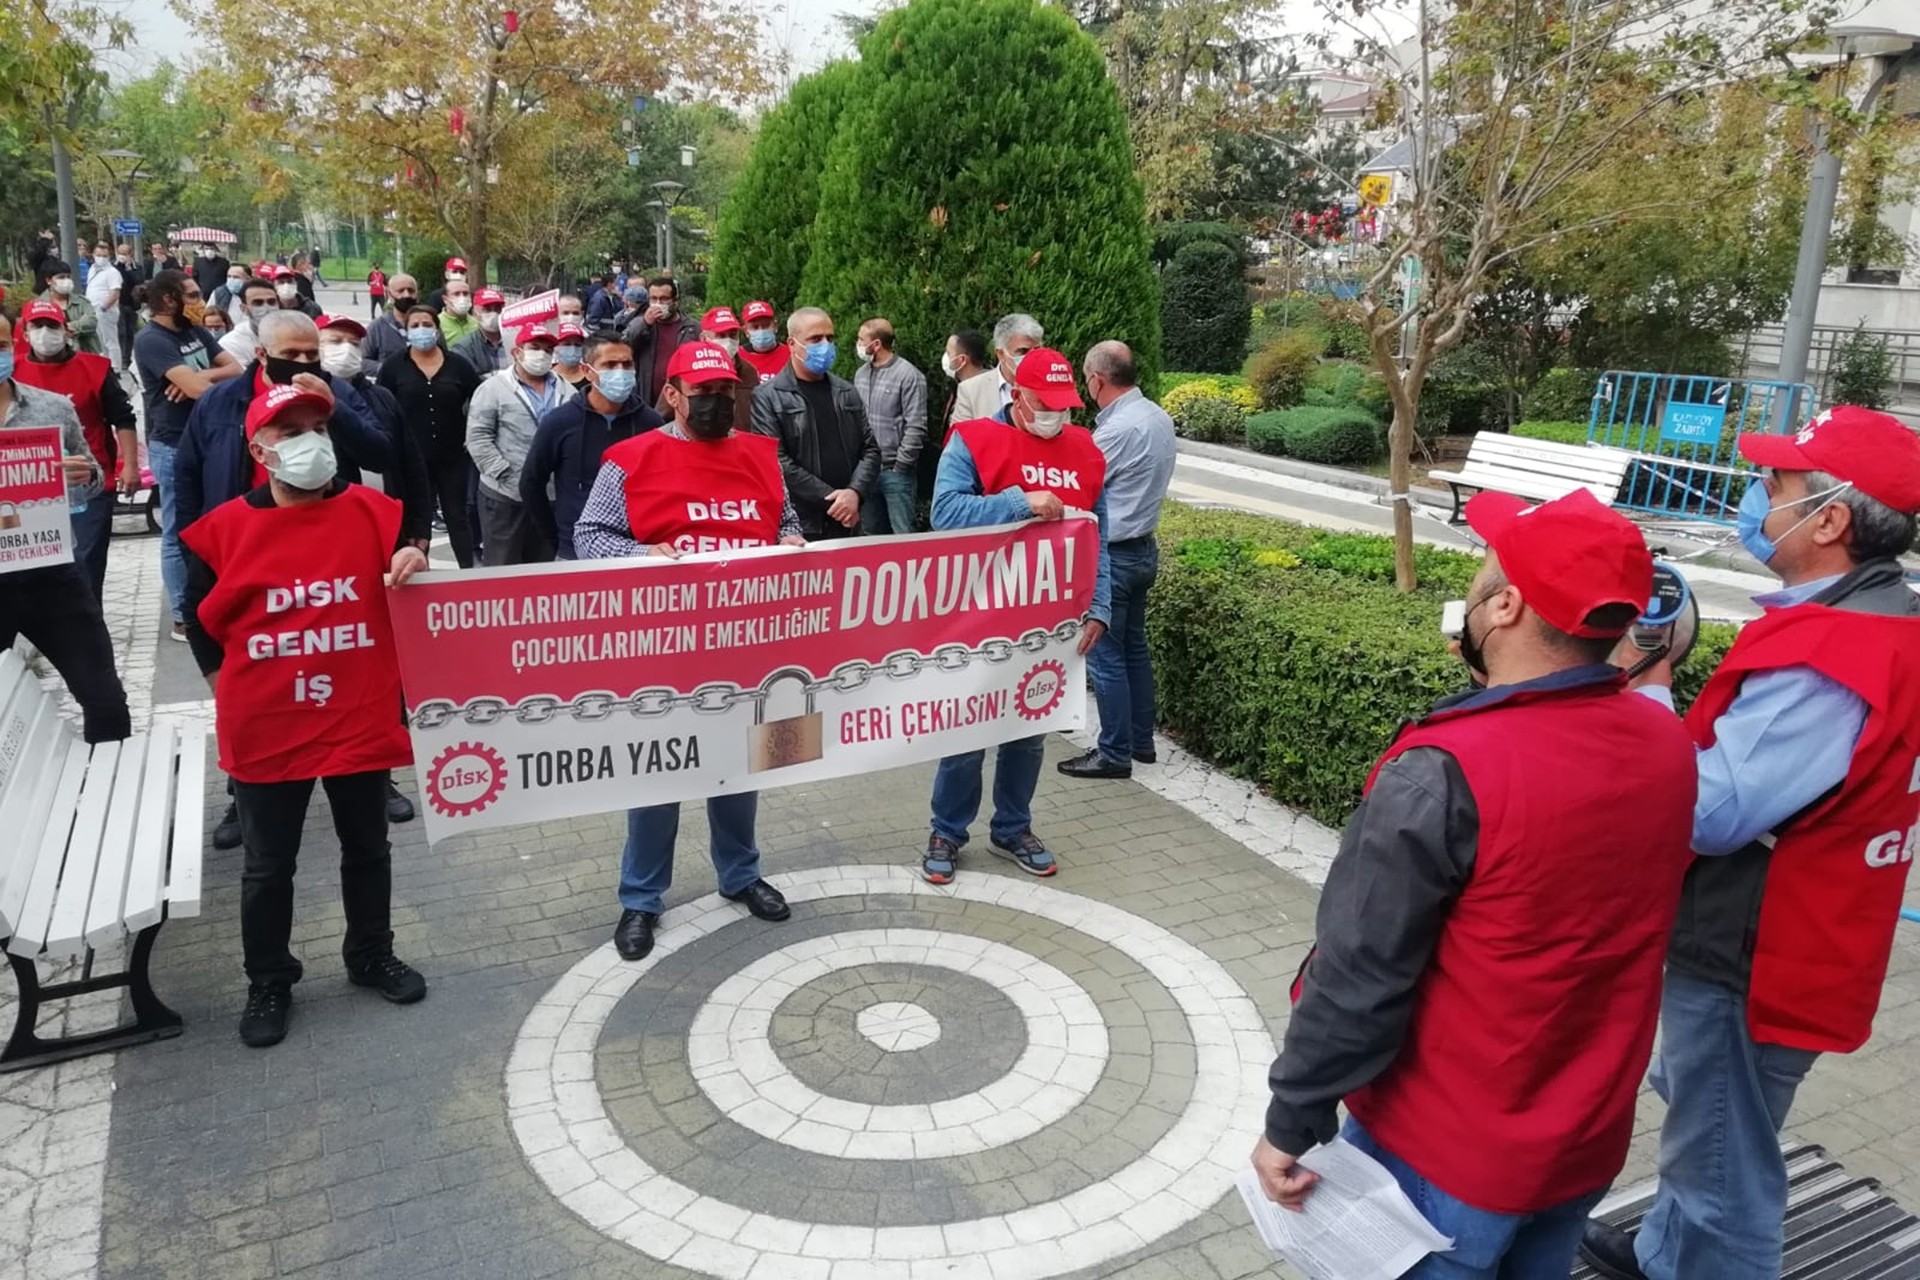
(500, 427)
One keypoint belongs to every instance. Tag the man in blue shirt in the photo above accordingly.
(571, 439)
(970, 492)
(1136, 435)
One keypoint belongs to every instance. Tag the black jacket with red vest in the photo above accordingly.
(1486, 982)
(1802, 920)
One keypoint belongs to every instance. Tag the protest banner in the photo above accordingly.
(35, 527)
(548, 691)
(538, 309)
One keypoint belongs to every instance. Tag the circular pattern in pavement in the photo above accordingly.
(895, 1026)
(563, 1126)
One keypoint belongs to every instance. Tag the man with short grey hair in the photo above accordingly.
(1016, 334)
(387, 336)
(1136, 436)
(895, 394)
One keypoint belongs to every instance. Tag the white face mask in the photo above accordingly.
(490, 321)
(236, 283)
(257, 312)
(305, 461)
(536, 363)
(63, 286)
(460, 305)
(46, 343)
(731, 344)
(341, 359)
(949, 366)
(1048, 423)
(288, 291)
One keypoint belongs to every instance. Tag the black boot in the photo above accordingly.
(633, 936)
(1609, 1251)
(227, 834)
(399, 808)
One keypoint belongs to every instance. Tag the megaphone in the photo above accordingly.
(1671, 622)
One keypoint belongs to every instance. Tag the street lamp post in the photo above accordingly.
(124, 181)
(670, 193)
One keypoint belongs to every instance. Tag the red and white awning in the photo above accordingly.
(204, 235)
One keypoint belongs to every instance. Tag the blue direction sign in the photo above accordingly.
(127, 226)
(1684, 422)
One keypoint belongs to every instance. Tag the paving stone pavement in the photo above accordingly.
(548, 1111)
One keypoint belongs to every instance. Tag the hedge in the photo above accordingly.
(1559, 432)
(1282, 659)
(1329, 435)
(1561, 395)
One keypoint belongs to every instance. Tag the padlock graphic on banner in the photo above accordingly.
(9, 516)
(777, 741)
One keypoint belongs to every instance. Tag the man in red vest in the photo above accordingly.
(46, 358)
(640, 506)
(1486, 978)
(288, 620)
(991, 472)
(762, 347)
(1809, 816)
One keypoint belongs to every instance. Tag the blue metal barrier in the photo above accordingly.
(1682, 430)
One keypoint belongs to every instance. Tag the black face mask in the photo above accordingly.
(281, 370)
(1470, 651)
(401, 301)
(711, 416)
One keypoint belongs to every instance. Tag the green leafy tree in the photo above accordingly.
(1205, 313)
(760, 245)
(984, 167)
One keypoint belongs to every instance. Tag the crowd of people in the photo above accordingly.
(1544, 869)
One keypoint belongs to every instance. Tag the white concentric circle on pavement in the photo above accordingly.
(730, 1049)
(561, 1123)
(894, 1026)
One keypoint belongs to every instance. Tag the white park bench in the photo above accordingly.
(1536, 469)
(96, 843)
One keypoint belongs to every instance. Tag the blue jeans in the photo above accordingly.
(646, 865)
(1722, 1201)
(1120, 665)
(92, 527)
(956, 790)
(173, 566)
(1486, 1245)
(890, 509)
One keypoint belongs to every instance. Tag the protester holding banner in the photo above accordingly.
(287, 580)
(639, 506)
(573, 437)
(1026, 462)
(53, 605)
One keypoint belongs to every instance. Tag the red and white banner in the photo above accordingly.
(35, 526)
(538, 309)
(547, 691)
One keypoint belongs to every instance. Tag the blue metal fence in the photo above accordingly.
(1681, 429)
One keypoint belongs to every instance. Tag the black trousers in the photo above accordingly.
(271, 817)
(507, 532)
(450, 475)
(55, 608)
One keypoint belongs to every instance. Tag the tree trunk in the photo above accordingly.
(63, 189)
(1399, 483)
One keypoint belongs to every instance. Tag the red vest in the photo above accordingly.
(702, 495)
(1070, 465)
(78, 378)
(310, 687)
(1514, 1088)
(767, 364)
(1838, 871)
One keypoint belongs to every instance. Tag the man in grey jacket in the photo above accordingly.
(500, 424)
(827, 450)
(895, 396)
(54, 606)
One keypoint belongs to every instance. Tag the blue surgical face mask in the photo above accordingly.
(820, 356)
(1757, 504)
(6, 363)
(617, 384)
(762, 339)
(569, 354)
(422, 338)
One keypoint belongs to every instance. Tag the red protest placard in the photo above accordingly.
(35, 527)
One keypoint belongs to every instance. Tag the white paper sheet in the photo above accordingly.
(1357, 1224)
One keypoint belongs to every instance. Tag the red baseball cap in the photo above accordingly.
(341, 322)
(279, 398)
(42, 310)
(488, 298)
(568, 329)
(757, 311)
(456, 264)
(270, 271)
(700, 362)
(1049, 374)
(530, 333)
(720, 320)
(1569, 556)
(1874, 452)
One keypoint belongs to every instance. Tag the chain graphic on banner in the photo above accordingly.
(720, 697)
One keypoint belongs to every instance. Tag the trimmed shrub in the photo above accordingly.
(761, 242)
(1561, 395)
(1332, 436)
(1266, 432)
(1862, 370)
(1559, 432)
(1171, 237)
(1335, 383)
(428, 265)
(1346, 334)
(1204, 311)
(1214, 421)
(1225, 381)
(1296, 676)
(1279, 373)
(1189, 391)
(982, 165)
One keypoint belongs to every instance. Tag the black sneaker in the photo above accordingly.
(1609, 1251)
(391, 976)
(1092, 764)
(227, 834)
(399, 808)
(264, 1022)
(1145, 757)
